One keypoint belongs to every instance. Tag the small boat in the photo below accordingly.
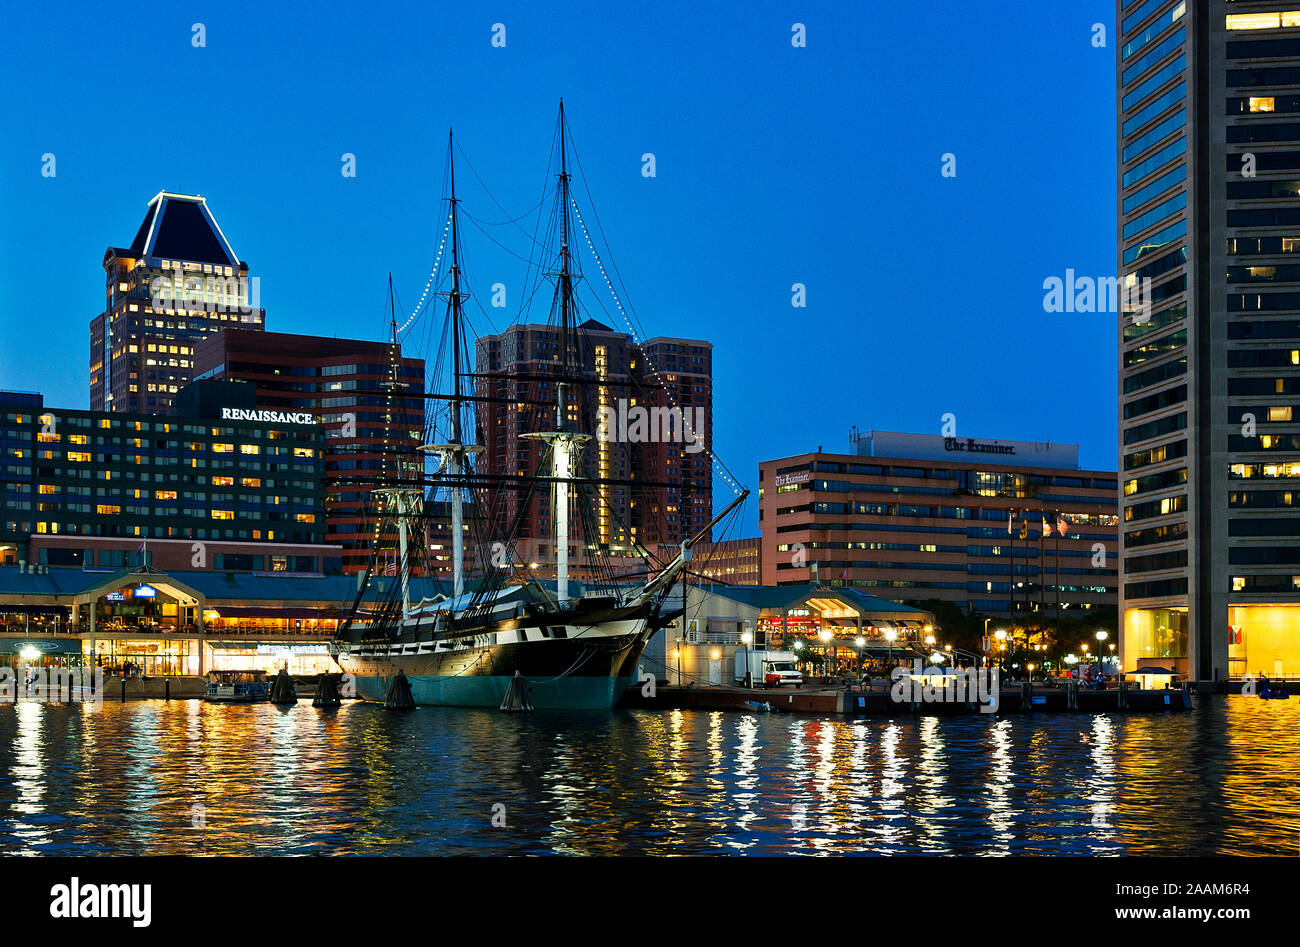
(1274, 693)
(237, 687)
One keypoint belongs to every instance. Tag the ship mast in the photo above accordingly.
(455, 453)
(566, 446)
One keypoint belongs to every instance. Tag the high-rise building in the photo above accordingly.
(198, 491)
(177, 283)
(371, 434)
(649, 408)
(963, 520)
(1209, 361)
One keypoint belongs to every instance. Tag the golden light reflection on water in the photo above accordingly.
(191, 778)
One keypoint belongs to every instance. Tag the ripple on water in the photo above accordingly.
(191, 778)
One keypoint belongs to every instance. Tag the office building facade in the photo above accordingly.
(96, 488)
(1209, 362)
(177, 283)
(371, 433)
(656, 401)
(963, 520)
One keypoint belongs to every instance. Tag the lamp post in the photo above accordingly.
(890, 636)
(826, 634)
(861, 643)
(746, 639)
(1101, 655)
(1001, 636)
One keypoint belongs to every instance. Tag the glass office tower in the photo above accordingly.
(1209, 368)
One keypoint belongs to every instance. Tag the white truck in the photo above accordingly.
(767, 668)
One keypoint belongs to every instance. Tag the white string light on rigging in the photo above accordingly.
(432, 274)
(717, 465)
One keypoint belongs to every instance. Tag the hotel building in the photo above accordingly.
(918, 517)
(98, 488)
(1209, 389)
(663, 487)
(371, 435)
(177, 283)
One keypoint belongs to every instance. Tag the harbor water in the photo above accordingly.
(185, 777)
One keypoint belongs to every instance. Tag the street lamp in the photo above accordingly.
(861, 643)
(1101, 655)
(826, 634)
(890, 636)
(747, 638)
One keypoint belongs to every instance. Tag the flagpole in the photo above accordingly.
(1060, 519)
(1042, 575)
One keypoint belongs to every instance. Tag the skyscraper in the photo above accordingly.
(1209, 365)
(662, 489)
(177, 283)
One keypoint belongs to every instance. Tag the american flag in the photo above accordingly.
(1062, 524)
(1047, 530)
(390, 568)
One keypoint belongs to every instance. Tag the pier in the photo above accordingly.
(852, 701)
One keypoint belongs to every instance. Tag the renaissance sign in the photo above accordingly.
(273, 417)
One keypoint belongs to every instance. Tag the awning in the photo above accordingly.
(43, 645)
(52, 611)
(273, 647)
(1152, 671)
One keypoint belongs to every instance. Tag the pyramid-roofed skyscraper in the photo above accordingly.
(178, 283)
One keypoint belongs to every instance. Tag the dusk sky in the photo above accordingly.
(774, 165)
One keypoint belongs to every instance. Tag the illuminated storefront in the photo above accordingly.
(40, 651)
(303, 658)
(154, 657)
(1264, 639)
(1155, 636)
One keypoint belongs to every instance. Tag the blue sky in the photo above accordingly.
(775, 165)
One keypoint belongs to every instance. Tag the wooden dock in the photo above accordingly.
(877, 702)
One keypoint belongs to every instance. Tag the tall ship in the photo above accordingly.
(509, 634)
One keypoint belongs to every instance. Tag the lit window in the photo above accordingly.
(223, 514)
(1279, 414)
(1259, 21)
(1262, 103)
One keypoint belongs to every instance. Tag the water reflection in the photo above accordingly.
(190, 778)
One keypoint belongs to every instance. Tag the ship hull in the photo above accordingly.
(569, 668)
